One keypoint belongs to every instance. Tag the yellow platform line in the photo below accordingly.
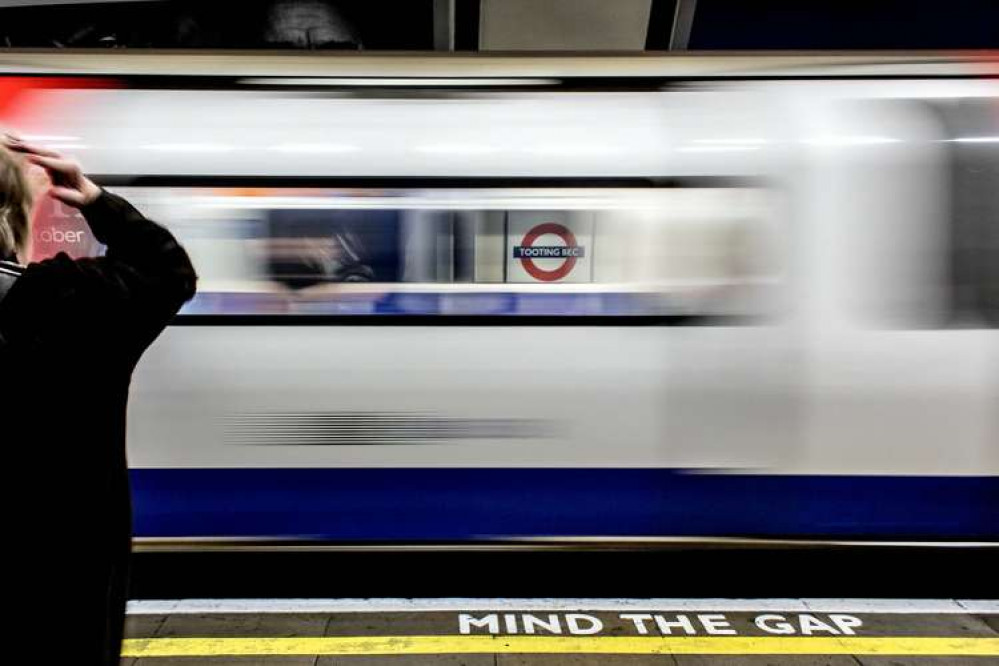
(390, 645)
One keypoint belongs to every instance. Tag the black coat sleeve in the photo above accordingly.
(125, 297)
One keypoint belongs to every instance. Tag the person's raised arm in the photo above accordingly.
(145, 274)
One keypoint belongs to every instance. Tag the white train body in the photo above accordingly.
(767, 330)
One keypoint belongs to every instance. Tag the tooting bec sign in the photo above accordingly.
(548, 250)
(569, 252)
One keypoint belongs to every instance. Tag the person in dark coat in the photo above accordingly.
(71, 332)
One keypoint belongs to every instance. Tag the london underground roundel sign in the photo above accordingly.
(530, 250)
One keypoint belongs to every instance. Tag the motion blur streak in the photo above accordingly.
(706, 297)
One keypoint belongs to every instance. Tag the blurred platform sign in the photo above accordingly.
(549, 246)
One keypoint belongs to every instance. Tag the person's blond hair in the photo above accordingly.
(15, 205)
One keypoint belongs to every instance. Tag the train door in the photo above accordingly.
(902, 365)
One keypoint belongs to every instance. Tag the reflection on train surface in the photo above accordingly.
(725, 297)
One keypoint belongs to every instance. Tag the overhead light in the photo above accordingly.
(189, 147)
(976, 139)
(314, 148)
(573, 149)
(733, 141)
(456, 149)
(733, 144)
(716, 149)
(851, 140)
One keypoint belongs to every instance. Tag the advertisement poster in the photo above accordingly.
(57, 228)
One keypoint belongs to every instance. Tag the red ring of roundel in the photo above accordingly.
(539, 273)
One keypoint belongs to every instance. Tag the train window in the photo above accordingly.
(936, 266)
(973, 239)
(570, 251)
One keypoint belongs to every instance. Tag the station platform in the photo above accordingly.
(508, 632)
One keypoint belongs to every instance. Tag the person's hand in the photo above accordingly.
(69, 185)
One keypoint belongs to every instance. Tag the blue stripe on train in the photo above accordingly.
(459, 504)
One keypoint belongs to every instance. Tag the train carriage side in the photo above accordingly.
(435, 314)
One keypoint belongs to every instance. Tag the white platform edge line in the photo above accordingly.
(983, 606)
(387, 605)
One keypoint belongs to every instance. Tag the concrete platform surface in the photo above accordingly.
(577, 632)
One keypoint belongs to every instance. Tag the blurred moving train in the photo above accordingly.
(497, 300)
